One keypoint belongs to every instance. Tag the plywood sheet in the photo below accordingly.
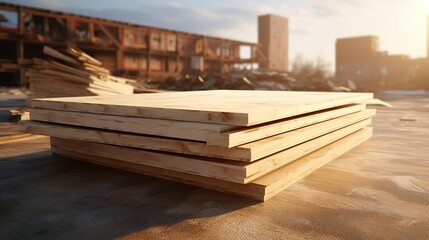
(260, 189)
(230, 107)
(215, 168)
(241, 136)
(213, 134)
(157, 127)
(247, 152)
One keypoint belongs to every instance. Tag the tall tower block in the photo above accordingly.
(427, 37)
(273, 37)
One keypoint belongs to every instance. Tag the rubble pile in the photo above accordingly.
(251, 80)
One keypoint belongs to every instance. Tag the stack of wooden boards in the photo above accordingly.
(71, 73)
(251, 143)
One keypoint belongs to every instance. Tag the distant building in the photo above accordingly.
(427, 38)
(394, 71)
(273, 39)
(130, 49)
(356, 60)
(359, 59)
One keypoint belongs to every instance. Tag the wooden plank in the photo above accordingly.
(78, 53)
(215, 168)
(73, 89)
(280, 180)
(109, 86)
(90, 82)
(63, 67)
(54, 53)
(65, 86)
(214, 134)
(96, 69)
(260, 189)
(19, 114)
(279, 142)
(18, 138)
(248, 152)
(230, 107)
(149, 126)
(245, 135)
(133, 140)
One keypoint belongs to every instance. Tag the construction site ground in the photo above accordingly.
(379, 190)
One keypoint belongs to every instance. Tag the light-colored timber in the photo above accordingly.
(157, 127)
(18, 138)
(213, 134)
(54, 53)
(229, 107)
(260, 189)
(214, 168)
(248, 152)
(238, 137)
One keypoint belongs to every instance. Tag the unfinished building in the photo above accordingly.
(129, 49)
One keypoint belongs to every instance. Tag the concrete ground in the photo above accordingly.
(379, 190)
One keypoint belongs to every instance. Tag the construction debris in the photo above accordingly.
(251, 80)
(250, 143)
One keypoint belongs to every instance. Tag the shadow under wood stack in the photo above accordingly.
(250, 143)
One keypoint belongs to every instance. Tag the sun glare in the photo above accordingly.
(425, 4)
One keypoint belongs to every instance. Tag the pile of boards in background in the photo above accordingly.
(250, 143)
(65, 74)
(70, 73)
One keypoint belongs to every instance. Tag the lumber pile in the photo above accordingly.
(250, 143)
(71, 73)
(68, 73)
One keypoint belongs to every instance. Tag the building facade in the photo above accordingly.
(356, 59)
(136, 50)
(360, 60)
(273, 38)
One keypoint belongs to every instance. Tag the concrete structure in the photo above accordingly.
(273, 39)
(427, 37)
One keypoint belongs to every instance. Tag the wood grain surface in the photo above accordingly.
(247, 152)
(230, 107)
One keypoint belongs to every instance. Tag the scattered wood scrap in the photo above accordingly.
(18, 137)
(18, 114)
(378, 102)
(251, 143)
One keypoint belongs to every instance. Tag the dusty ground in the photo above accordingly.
(378, 191)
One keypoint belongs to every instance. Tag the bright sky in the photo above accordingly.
(314, 24)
